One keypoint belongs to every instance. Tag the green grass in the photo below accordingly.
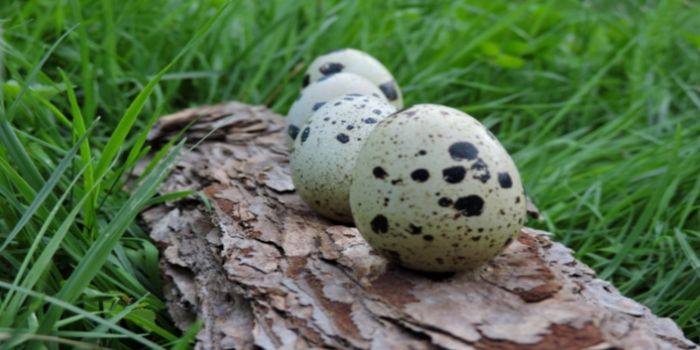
(597, 101)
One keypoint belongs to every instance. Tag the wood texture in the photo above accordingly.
(259, 268)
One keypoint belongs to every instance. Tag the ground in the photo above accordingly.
(596, 101)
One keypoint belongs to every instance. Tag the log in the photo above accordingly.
(250, 260)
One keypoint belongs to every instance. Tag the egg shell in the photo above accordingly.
(325, 151)
(317, 94)
(434, 190)
(358, 62)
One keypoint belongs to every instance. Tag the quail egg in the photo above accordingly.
(325, 150)
(434, 190)
(357, 62)
(317, 94)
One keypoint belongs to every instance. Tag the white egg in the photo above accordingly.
(357, 62)
(434, 190)
(315, 95)
(324, 152)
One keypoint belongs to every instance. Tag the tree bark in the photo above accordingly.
(251, 261)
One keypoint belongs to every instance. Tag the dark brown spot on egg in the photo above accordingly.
(504, 180)
(342, 138)
(444, 202)
(420, 175)
(370, 121)
(463, 150)
(481, 171)
(379, 172)
(454, 174)
(380, 224)
(428, 238)
(389, 90)
(331, 68)
(414, 229)
(293, 131)
(471, 205)
(305, 134)
(318, 105)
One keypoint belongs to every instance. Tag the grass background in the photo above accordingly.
(597, 101)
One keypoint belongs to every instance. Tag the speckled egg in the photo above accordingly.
(434, 190)
(317, 94)
(357, 62)
(325, 151)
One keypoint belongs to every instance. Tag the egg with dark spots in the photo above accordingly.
(316, 95)
(324, 154)
(441, 185)
(356, 62)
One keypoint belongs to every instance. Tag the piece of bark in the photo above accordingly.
(259, 268)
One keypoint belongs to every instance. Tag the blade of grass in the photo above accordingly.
(687, 316)
(89, 103)
(19, 337)
(85, 154)
(56, 302)
(43, 193)
(24, 188)
(169, 197)
(187, 339)
(9, 138)
(583, 90)
(116, 318)
(688, 251)
(11, 305)
(129, 117)
(98, 253)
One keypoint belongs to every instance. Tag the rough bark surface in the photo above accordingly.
(259, 268)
